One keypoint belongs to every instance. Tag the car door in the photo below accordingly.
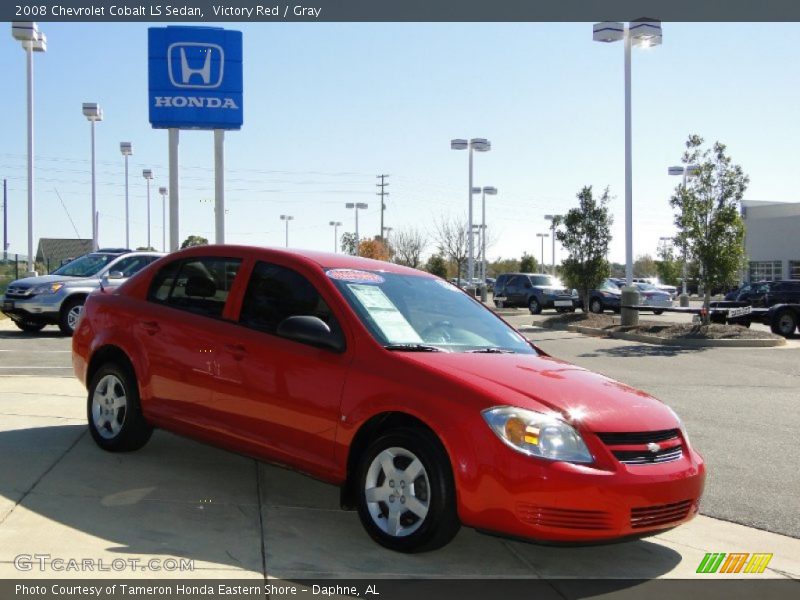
(178, 334)
(514, 290)
(281, 395)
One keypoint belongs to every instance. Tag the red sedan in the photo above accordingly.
(426, 408)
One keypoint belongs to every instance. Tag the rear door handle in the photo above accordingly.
(151, 327)
(236, 350)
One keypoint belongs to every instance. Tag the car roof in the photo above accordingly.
(325, 260)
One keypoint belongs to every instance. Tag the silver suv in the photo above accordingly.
(57, 299)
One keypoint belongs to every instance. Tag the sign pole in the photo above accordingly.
(219, 185)
(174, 231)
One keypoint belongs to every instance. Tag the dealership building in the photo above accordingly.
(772, 239)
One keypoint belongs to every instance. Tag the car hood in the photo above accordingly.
(31, 281)
(586, 399)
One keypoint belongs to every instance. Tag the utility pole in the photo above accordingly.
(5, 220)
(382, 193)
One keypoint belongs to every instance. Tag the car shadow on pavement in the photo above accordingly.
(63, 496)
(16, 334)
(640, 350)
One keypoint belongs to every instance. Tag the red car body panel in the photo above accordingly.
(302, 406)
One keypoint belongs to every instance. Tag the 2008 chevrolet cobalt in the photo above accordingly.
(427, 409)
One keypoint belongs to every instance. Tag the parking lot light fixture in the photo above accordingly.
(542, 235)
(684, 172)
(32, 40)
(356, 206)
(286, 219)
(126, 148)
(148, 175)
(474, 145)
(163, 191)
(553, 220)
(335, 225)
(643, 33)
(93, 113)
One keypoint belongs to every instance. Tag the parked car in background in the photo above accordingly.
(768, 293)
(57, 299)
(490, 281)
(426, 409)
(733, 295)
(537, 291)
(650, 295)
(606, 296)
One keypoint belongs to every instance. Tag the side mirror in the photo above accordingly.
(310, 330)
(116, 275)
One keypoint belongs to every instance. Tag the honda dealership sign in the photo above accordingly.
(195, 77)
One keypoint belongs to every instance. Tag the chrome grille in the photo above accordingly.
(644, 447)
(17, 291)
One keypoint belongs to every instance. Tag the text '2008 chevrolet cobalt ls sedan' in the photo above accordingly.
(425, 407)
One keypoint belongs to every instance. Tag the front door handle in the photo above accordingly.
(236, 350)
(151, 327)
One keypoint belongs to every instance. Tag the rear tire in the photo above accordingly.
(658, 312)
(114, 412)
(534, 306)
(411, 502)
(70, 313)
(29, 326)
(784, 323)
(595, 306)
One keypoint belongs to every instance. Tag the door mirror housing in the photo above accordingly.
(115, 275)
(310, 330)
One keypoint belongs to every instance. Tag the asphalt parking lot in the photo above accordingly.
(237, 518)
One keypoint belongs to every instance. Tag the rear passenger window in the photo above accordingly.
(275, 293)
(197, 285)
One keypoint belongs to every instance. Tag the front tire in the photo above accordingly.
(596, 306)
(114, 412)
(658, 312)
(784, 323)
(406, 492)
(70, 313)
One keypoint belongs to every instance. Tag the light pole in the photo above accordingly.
(126, 148)
(553, 220)
(492, 191)
(685, 172)
(637, 33)
(478, 145)
(335, 225)
(148, 175)
(33, 40)
(385, 235)
(163, 191)
(286, 219)
(357, 206)
(93, 113)
(542, 235)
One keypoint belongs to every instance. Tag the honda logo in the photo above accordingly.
(195, 65)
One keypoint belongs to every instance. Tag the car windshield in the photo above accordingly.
(546, 281)
(414, 313)
(609, 286)
(647, 287)
(85, 266)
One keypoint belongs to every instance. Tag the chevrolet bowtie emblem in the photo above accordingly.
(653, 447)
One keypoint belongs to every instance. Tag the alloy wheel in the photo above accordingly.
(109, 405)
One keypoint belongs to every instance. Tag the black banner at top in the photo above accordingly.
(200, 11)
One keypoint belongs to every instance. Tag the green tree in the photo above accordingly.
(348, 242)
(194, 240)
(585, 232)
(708, 215)
(669, 268)
(151, 249)
(644, 266)
(502, 265)
(527, 264)
(437, 265)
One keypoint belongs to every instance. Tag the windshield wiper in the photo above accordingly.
(491, 350)
(413, 348)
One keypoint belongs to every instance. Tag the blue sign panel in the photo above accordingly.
(195, 77)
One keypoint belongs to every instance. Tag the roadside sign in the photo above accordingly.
(195, 78)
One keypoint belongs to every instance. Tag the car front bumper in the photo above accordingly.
(564, 502)
(42, 308)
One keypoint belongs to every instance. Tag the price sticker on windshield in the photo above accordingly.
(354, 276)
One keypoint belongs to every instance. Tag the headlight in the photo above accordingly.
(537, 434)
(46, 288)
(680, 425)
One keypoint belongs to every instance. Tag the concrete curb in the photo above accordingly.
(684, 343)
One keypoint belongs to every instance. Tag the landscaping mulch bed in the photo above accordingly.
(660, 329)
